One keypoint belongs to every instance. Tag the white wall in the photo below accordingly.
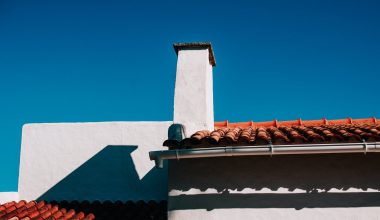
(344, 186)
(276, 214)
(89, 161)
(193, 97)
(8, 196)
(100, 161)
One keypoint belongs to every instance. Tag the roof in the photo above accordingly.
(69, 210)
(282, 132)
(38, 210)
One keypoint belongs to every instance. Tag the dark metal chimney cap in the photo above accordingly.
(197, 45)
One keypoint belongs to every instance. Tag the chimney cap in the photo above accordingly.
(197, 45)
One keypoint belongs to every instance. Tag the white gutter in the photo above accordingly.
(364, 147)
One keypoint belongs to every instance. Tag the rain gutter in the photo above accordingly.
(364, 147)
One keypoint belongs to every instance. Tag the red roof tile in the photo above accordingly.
(283, 132)
(298, 122)
(37, 210)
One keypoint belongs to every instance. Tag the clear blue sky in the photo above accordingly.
(69, 61)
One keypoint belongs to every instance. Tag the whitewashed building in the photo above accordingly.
(297, 169)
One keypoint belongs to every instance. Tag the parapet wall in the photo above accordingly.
(92, 161)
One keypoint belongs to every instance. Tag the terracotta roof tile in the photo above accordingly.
(283, 132)
(76, 210)
(23, 210)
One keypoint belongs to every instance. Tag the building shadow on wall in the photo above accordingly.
(109, 175)
(305, 181)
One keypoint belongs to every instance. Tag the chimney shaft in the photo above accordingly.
(193, 97)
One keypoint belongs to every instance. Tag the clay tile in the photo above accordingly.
(46, 214)
(32, 209)
(200, 134)
(10, 209)
(30, 204)
(44, 208)
(58, 214)
(222, 124)
(375, 131)
(54, 209)
(33, 214)
(262, 136)
(9, 204)
(20, 204)
(40, 204)
(22, 214)
(11, 214)
(217, 134)
(278, 136)
(246, 135)
(69, 214)
(233, 134)
(21, 209)
(299, 131)
(90, 217)
(80, 215)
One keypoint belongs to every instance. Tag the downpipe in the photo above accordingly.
(364, 147)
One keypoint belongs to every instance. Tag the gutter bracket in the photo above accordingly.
(271, 148)
(176, 155)
(159, 163)
(228, 151)
(365, 147)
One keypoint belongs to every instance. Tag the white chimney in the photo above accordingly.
(193, 97)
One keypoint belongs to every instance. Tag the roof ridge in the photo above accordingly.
(298, 122)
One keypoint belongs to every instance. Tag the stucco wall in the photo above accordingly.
(193, 97)
(345, 186)
(92, 161)
(8, 196)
